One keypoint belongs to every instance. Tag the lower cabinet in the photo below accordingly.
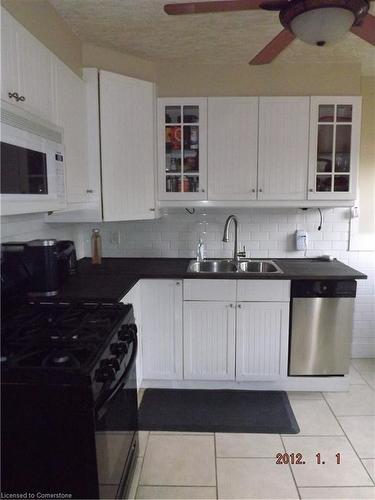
(209, 340)
(262, 330)
(161, 330)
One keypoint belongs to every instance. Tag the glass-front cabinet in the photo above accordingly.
(334, 147)
(182, 148)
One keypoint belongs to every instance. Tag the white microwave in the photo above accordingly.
(32, 163)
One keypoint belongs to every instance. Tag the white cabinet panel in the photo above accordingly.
(128, 148)
(262, 330)
(263, 290)
(207, 289)
(283, 148)
(161, 329)
(35, 65)
(335, 124)
(182, 148)
(70, 113)
(9, 62)
(26, 68)
(209, 340)
(232, 148)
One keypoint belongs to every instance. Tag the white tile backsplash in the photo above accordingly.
(27, 227)
(264, 232)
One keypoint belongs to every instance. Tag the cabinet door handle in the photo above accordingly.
(202, 190)
(261, 190)
(89, 191)
(178, 283)
(230, 305)
(16, 96)
(253, 190)
(311, 190)
(152, 209)
(239, 306)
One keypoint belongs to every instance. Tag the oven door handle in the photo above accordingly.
(107, 396)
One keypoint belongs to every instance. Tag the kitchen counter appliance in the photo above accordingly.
(44, 263)
(321, 327)
(68, 383)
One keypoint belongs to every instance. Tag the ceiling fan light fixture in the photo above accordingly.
(318, 22)
(321, 26)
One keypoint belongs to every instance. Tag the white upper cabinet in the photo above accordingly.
(182, 149)
(70, 113)
(283, 148)
(128, 147)
(232, 148)
(334, 147)
(27, 69)
(209, 340)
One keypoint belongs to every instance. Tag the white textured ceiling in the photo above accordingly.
(141, 28)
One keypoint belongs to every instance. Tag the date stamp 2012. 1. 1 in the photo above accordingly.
(298, 459)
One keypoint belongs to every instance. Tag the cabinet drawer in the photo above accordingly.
(263, 290)
(210, 289)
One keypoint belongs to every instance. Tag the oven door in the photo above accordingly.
(116, 437)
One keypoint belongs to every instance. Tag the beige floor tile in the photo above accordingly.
(337, 493)
(359, 400)
(369, 378)
(107, 491)
(355, 377)
(364, 364)
(179, 433)
(176, 492)
(350, 472)
(179, 460)
(259, 478)
(315, 418)
(248, 445)
(135, 480)
(304, 395)
(369, 463)
(361, 434)
(142, 440)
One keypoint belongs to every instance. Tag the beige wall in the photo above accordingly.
(42, 20)
(111, 60)
(223, 80)
(367, 157)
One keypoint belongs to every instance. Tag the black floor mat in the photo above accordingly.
(217, 411)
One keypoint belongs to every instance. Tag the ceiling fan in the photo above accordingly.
(316, 22)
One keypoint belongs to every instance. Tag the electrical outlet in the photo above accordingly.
(114, 238)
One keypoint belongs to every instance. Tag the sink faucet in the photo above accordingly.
(226, 234)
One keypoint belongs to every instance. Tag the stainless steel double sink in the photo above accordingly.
(232, 266)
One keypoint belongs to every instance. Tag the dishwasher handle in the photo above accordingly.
(323, 288)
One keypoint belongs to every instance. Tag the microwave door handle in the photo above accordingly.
(106, 397)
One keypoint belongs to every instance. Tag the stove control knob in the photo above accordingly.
(110, 363)
(118, 348)
(104, 374)
(127, 333)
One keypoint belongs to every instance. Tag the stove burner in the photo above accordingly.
(58, 335)
(60, 359)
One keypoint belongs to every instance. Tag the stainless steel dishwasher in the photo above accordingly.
(321, 327)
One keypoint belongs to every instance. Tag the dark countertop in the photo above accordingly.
(115, 277)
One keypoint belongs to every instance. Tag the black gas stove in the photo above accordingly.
(66, 368)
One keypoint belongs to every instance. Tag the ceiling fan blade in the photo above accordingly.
(273, 49)
(176, 9)
(274, 5)
(366, 30)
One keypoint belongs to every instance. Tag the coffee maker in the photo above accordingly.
(43, 265)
